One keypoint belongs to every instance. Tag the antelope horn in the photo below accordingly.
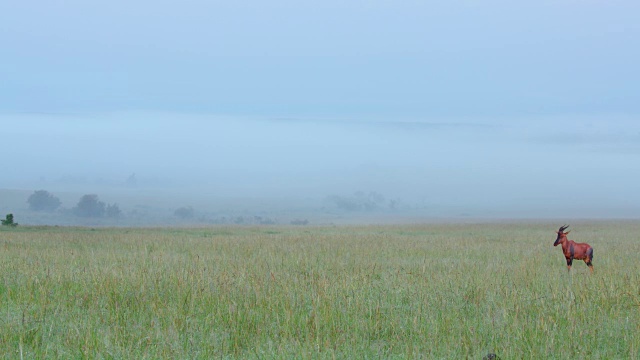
(563, 228)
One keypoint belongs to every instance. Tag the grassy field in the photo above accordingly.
(436, 291)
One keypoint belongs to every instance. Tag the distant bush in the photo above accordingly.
(131, 181)
(90, 206)
(263, 221)
(113, 211)
(42, 200)
(185, 212)
(358, 202)
(9, 221)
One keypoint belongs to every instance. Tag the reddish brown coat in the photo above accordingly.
(573, 250)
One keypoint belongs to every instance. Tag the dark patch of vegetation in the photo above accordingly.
(359, 201)
(185, 212)
(90, 206)
(9, 221)
(113, 211)
(263, 221)
(300, 222)
(42, 200)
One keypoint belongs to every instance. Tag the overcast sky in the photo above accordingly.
(470, 100)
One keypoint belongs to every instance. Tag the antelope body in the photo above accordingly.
(573, 250)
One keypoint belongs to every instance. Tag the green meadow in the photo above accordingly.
(427, 291)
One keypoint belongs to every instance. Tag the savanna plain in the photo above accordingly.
(430, 291)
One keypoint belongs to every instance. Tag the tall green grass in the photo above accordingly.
(422, 291)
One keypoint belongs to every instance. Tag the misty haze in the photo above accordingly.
(395, 112)
(321, 170)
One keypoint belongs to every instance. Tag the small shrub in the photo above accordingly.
(9, 221)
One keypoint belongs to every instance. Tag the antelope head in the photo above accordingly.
(562, 235)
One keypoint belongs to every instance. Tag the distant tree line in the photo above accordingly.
(88, 206)
(360, 201)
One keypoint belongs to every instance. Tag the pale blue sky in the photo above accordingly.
(321, 58)
(465, 102)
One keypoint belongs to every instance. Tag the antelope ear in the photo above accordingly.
(567, 232)
(557, 232)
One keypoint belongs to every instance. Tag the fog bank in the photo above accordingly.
(483, 166)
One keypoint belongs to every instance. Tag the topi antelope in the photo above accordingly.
(573, 250)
